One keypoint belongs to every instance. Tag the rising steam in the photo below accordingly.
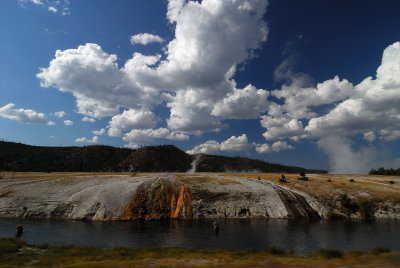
(194, 163)
(346, 160)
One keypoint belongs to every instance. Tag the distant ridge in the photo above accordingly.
(163, 158)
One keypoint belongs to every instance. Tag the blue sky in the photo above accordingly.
(284, 81)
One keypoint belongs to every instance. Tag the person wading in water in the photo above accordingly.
(20, 230)
(216, 227)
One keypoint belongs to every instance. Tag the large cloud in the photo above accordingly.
(373, 107)
(24, 115)
(370, 109)
(211, 39)
(94, 78)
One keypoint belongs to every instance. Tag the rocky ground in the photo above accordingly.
(201, 195)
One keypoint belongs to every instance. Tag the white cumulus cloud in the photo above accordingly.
(374, 106)
(145, 38)
(59, 114)
(94, 78)
(280, 146)
(370, 108)
(246, 103)
(95, 139)
(68, 122)
(23, 115)
(263, 148)
(196, 74)
(99, 132)
(238, 144)
(235, 144)
(209, 147)
(52, 9)
(138, 137)
(131, 119)
(88, 119)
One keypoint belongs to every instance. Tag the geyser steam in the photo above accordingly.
(194, 163)
(346, 160)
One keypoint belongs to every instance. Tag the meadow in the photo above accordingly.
(16, 253)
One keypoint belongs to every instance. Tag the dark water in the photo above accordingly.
(301, 236)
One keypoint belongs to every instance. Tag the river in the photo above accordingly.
(301, 236)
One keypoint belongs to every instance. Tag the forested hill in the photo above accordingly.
(163, 158)
(383, 171)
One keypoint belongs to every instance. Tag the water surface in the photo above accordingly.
(301, 236)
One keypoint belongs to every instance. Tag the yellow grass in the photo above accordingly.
(205, 179)
(6, 192)
(363, 187)
(229, 181)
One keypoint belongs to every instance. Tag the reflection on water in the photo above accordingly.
(301, 236)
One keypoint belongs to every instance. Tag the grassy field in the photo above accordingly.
(328, 186)
(15, 253)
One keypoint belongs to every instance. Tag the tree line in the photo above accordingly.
(383, 171)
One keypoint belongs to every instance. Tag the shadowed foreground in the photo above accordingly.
(15, 253)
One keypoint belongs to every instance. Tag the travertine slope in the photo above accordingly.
(160, 196)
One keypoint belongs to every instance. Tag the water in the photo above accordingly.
(301, 236)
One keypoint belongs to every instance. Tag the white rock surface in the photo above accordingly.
(106, 197)
(95, 197)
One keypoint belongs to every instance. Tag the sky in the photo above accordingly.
(308, 83)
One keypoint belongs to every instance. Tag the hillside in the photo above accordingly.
(163, 158)
(218, 163)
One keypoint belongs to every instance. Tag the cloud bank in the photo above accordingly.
(196, 75)
(370, 109)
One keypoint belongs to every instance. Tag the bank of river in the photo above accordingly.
(301, 236)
